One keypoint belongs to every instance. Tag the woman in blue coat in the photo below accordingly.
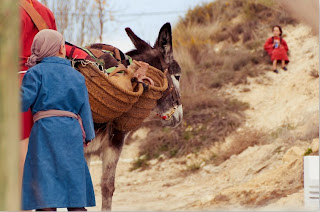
(55, 172)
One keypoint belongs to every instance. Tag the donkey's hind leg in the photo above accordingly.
(110, 157)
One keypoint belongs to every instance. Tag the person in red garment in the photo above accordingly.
(28, 32)
(277, 49)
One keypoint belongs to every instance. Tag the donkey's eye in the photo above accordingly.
(177, 77)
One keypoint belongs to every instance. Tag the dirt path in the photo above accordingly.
(275, 99)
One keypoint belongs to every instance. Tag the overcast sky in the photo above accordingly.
(144, 17)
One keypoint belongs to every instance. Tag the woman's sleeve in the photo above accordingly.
(86, 116)
(31, 84)
(268, 46)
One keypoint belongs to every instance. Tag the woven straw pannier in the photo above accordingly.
(108, 96)
(147, 101)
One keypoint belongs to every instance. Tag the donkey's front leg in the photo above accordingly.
(110, 157)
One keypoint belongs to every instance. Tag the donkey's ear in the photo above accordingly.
(140, 44)
(164, 42)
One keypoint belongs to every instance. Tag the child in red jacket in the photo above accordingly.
(277, 49)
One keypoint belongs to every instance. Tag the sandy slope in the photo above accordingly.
(261, 177)
(288, 96)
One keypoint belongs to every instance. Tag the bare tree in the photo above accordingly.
(101, 16)
(80, 21)
(62, 20)
(102, 12)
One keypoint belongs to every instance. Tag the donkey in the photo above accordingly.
(109, 141)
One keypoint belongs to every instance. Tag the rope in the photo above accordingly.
(87, 62)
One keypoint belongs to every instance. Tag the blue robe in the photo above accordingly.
(56, 174)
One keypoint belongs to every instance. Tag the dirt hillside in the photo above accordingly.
(266, 176)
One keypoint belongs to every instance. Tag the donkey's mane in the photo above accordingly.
(149, 56)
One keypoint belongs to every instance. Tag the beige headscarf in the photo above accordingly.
(46, 43)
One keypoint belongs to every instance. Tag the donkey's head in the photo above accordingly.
(160, 56)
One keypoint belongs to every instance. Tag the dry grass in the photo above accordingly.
(314, 73)
(309, 127)
(140, 163)
(285, 132)
(306, 130)
(240, 142)
(207, 119)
